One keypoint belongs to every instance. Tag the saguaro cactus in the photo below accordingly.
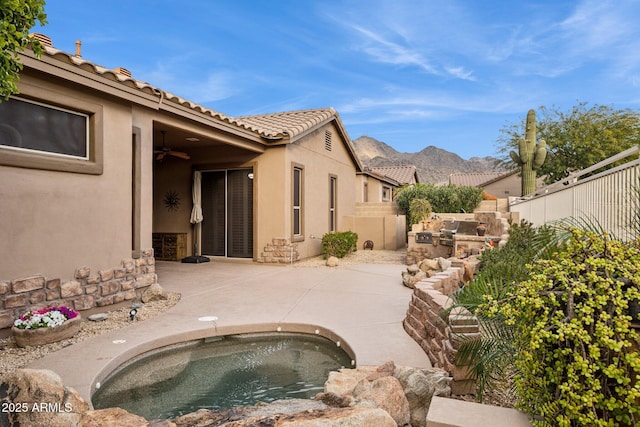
(530, 156)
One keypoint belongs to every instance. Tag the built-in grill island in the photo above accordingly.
(455, 237)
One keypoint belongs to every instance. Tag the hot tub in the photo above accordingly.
(221, 372)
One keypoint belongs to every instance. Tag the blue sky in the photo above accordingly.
(411, 73)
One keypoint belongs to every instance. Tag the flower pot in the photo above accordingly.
(40, 336)
(481, 230)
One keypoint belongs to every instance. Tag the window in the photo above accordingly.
(386, 193)
(33, 126)
(333, 201)
(365, 192)
(297, 198)
(38, 133)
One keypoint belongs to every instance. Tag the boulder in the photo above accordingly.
(385, 393)
(348, 417)
(155, 292)
(98, 317)
(41, 399)
(417, 386)
(413, 269)
(112, 417)
(343, 382)
(444, 264)
(332, 261)
(428, 264)
(409, 280)
(420, 385)
(289, 413)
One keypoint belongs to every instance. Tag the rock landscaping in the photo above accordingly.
(381, 396)
(433, 280)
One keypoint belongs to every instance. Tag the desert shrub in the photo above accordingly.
(339, 244)
(524, 245)
(575, 360)
(446, 198)
(491, 357)
(469, 197)
(419, 210)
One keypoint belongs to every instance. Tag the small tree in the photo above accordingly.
(419, 210)
(17, 17)
(575, 139)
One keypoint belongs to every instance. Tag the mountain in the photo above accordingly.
(434, 164)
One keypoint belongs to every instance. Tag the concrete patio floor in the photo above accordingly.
(361, 306)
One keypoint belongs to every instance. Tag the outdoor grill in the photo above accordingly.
(447, 237)
(448, 233)
(454, 237)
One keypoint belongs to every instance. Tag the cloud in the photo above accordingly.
(392, 53)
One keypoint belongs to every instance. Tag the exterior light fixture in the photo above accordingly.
(132, 313)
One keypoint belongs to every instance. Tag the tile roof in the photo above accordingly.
(380, 177)
(275, 126)
(287, 125)
(473, 179)
(499, 177)
(405, 174)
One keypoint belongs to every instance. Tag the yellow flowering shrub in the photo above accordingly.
(577, 359)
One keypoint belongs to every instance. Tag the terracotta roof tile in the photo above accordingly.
(288, 124)
(402, 174)
(472, 179)
(285, 126)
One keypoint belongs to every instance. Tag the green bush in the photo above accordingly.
(447, 198)
(576, 364)
(509, 262)
(419, 210)
(339, 244)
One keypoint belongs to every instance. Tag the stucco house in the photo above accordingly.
(97, 168)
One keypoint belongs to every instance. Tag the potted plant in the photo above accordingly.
(45, 326)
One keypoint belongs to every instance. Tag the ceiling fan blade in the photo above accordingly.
(160, 156)
(184, 156)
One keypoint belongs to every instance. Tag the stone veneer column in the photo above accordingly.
(280, 251)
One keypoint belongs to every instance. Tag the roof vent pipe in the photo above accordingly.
(78, 48)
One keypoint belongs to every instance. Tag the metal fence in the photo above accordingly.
(609, 199)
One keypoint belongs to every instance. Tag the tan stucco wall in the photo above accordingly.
(506, 187)
(373, 189)
(53, 222)
(319, 164)
(385, 231)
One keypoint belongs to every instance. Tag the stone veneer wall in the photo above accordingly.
(440, 338)
(84, 291)
(280, 251)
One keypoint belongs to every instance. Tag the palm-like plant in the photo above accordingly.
(490, 356)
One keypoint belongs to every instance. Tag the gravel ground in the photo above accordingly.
(359, 257)
(13, 357)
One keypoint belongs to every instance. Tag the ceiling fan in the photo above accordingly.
(164, 151)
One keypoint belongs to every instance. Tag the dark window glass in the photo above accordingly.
(32, 126)
(297, 197)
